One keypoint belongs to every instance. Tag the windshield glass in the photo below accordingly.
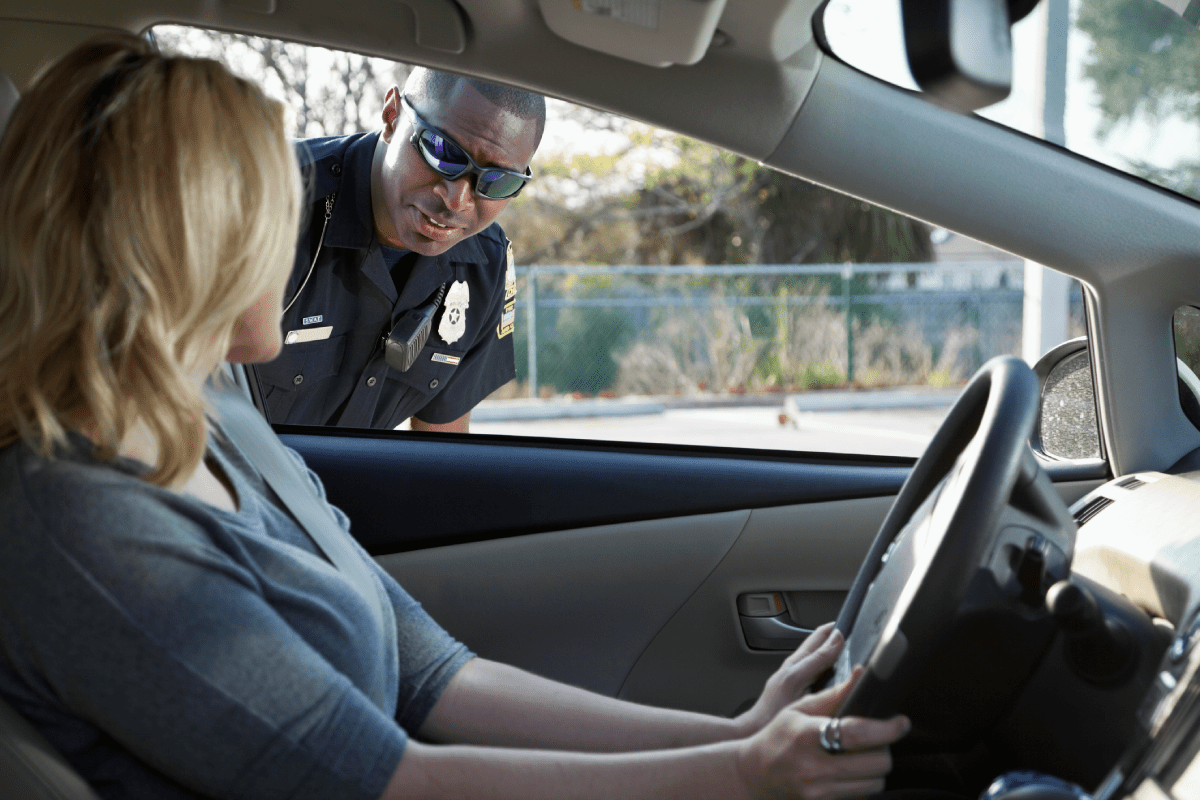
(1117, 81)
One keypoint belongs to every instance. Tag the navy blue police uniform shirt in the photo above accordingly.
(334, 371)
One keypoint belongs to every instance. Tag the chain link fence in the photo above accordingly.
(678, 330)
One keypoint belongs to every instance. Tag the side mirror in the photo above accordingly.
(960, 51)
(1066, 427)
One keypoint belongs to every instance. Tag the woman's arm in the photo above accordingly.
(783, 759)
(493, 704)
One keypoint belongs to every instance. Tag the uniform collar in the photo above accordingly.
(352, 224)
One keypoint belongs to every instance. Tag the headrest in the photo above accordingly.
(8, 99)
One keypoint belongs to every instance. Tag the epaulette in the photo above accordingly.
(321, 163)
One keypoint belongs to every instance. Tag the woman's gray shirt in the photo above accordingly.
(171, 649)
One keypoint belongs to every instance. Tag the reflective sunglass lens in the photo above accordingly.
(444, 156)
(451, 161)
(499, 185)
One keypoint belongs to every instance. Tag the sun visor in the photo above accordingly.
(654, 32)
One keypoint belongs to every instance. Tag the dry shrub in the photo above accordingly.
(511, 391)
(713, 350)
(809, 348)
(889, 355)
(650, 368)
(699, 349)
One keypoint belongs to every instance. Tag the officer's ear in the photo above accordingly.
(391, 113)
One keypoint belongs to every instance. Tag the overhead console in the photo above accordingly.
(658, 33)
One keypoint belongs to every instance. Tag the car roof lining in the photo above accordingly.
(768, 45)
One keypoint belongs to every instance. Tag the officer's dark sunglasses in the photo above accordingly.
(445, 157)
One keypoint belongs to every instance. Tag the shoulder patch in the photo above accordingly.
(507, 319)
(510, 275)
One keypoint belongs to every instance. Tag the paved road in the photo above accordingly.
(891, 431)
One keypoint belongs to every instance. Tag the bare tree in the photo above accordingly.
(330, 92)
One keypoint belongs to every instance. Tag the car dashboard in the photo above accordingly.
(1137, 538)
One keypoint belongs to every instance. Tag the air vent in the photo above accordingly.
(1131, 483)
(1094, 507)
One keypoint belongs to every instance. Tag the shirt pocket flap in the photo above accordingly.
(434, 366)
(304, 363)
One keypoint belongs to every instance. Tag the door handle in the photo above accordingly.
(765, 622)
(772, 633)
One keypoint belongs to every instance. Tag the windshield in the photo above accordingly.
(1117, 81)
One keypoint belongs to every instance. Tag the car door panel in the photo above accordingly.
(700, 659)
(409, 492)
(579, 606)
(591, 564)
(648, 610)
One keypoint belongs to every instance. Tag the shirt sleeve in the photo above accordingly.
(422, 679)
(167, 645)
(429, 656)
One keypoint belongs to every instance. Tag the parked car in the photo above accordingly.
(681, 575)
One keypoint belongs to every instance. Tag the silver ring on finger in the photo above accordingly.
(831, 736)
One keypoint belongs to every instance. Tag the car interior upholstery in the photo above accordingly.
(623, 596)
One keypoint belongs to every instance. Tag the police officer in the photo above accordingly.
(401, 301)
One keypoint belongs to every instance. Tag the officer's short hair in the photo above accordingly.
(122, 275)
(426, 86)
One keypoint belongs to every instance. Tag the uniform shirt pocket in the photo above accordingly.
(297, 383)
(434, 367)
(301, 365)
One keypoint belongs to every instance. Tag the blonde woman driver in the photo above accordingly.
(163, 622)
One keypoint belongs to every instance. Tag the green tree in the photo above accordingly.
(1144, 64)
(1144, 60)
(719, 208)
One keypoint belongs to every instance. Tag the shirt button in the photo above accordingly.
(336, 169)
(371, 381)
(299, 379)
(433, 384)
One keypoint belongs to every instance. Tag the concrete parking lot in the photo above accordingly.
(876, 423)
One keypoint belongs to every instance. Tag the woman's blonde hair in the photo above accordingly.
(147, 201)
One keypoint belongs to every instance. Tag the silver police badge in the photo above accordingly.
(454, 317)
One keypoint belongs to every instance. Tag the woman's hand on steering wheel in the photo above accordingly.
(788, 759)
(793, 680)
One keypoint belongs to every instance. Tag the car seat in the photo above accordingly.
(8, 99)
(30, 768)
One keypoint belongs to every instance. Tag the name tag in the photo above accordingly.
(307, 335)
(442, 358)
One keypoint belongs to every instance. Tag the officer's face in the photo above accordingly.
(419, 210)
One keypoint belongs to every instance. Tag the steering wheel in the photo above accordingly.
(947, 613)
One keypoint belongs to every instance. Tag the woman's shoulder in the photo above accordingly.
(74, 502)
(71, 478)
(97, 532)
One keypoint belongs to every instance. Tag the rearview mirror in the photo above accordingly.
(960, 51)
